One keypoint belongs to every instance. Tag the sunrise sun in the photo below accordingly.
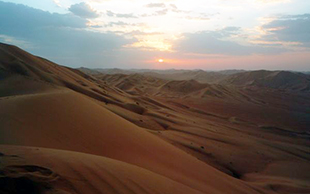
(160, 60)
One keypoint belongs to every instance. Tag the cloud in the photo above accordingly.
(63, 38)
(175, 9)
(197, 18)
(124, 24)
(119, 23)
(228, 31)
(164, 9)
(57, 2)
(200, 16)
(83, 10)
(288, 28)
(272, 1)
(20, 21)
(121, 15)
(173, 6)
(141, 33)
(156, 13)
(161, 12)
(219, 42)
(74, 40)
(155, 5)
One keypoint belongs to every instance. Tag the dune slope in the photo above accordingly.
(35, 170)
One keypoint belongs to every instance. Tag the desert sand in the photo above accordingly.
(64, 130)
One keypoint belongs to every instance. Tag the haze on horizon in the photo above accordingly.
(162, 34)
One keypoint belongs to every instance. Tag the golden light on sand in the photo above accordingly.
(161, 60)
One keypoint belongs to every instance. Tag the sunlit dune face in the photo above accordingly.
(160, 60)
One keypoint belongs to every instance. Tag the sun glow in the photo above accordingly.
(160, 60)
(151, 45)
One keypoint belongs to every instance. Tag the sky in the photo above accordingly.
(162, 34)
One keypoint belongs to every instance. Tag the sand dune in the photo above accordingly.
(33, 170)
(183, 87)
(84, 126)
(65, 131)
(269, 79)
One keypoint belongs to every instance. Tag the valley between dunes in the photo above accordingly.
(66, 130)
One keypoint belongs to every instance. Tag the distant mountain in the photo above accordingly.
(270, 79)
(284, 80)
(89, 71)
(198, 75)
(185, 86)
(132, 83)
(231, 71)
(169, 74)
